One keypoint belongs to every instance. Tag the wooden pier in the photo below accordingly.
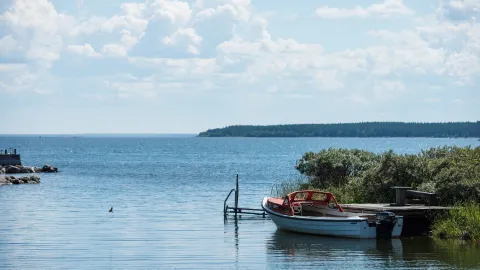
(417, 218)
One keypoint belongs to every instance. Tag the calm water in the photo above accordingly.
(167, 195)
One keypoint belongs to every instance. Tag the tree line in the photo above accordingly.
(361, 129)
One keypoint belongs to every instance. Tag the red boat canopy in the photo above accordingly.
(314, 196)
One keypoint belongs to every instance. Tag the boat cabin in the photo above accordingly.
(304, 201)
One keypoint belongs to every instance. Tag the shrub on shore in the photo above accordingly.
(360, 176)
(462, 222)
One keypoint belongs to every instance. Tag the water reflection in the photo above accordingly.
(453, 252)
(286, 250)
(294, 249)
(297, 248)
(228, 224)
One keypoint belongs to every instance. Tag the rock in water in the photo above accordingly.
(48, 168)
(8, 180)
(12, 169)
(4, 180)
(16, 181)
(27, 170)
(32, 179)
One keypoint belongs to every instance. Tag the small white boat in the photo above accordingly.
(317, 212)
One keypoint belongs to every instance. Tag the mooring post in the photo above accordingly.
(400, 195)
(236, 195)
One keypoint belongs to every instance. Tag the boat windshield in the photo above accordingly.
(301, 196)
(319, 197)
(310, 195)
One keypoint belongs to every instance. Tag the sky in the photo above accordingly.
(173, 66)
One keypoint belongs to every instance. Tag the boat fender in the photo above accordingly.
(385, 222)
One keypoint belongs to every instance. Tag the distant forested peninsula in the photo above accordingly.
(362, 129)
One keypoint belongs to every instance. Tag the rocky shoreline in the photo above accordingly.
(12, 180)
(12, 169)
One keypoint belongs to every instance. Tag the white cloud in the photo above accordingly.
(200, 54)
(461, 9)
(8, 44)
(193, 50)
(432, 100)
(114, 50)
(269, 46)
(386, 90)
(143, 89)
(130, 24)
(42, 91)
(158, 84)
(238, 9)
(86, 50)
(441, 47)
(184, 37)
(272, 89)
(188, 33)
(178, 12)
(241, 51)
(329, 80)
(177, 67)
(405, 51)
(386, 9)
(45, 25)
(355, 99)
(39, 15)
(12, 67)
(205, 14)
(16, 78)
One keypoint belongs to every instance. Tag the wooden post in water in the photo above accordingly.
(236, 195)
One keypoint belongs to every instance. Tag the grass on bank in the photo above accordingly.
(461, 222)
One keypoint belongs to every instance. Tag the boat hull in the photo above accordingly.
(350, 227)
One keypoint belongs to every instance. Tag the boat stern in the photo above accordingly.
(388, 225)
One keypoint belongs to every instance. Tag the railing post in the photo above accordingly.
(236, 195)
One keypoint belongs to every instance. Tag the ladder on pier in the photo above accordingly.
(239, 210)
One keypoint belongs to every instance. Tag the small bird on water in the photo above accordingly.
(111, 209)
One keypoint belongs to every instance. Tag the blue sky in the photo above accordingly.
(172, 66)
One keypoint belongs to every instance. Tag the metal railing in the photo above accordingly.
(225, 206)
(239, 210)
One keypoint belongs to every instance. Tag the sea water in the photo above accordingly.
(167, 195)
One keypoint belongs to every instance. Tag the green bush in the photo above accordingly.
(462, 221)
(334, 167)
(365, 177)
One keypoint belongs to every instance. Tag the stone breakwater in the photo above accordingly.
(11, 180)
(27, 169)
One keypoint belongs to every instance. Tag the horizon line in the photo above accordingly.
(98, 134)
(231, 125)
